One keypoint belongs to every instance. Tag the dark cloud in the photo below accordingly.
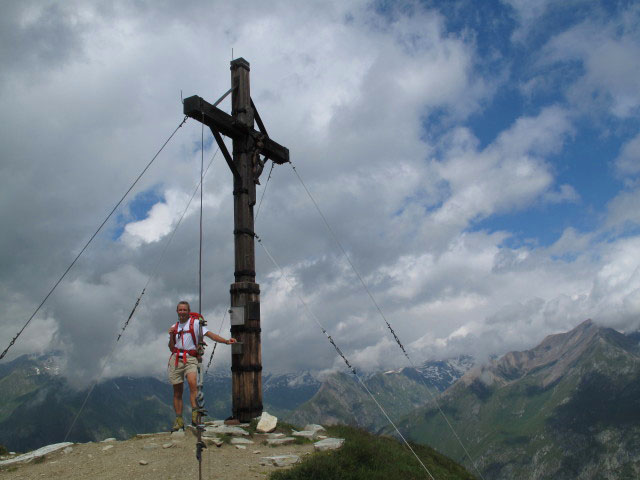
(36, 37)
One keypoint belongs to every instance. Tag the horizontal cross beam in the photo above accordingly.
(202, 111)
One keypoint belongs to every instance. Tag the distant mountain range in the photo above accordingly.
(37, 405)
(566, 409)
(341, 399)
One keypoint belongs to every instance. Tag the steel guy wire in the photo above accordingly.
(151, 277)
(355, 270)
(344, 358)
(200, 244)
(13, 340)
(382, 315)
(264, 190)
(215, 344)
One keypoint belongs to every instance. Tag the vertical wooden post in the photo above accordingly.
(246, 356)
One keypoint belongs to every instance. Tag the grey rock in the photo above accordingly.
(240, 441)
(27, 457)
(314, 428)
(143, 462)
(280, 460)
(267, 423)
(280, 441)
(329, 444)
(305, 434)
(106, 440)
(108, 447)
(168, 445)
(222, 429)
(212, 441)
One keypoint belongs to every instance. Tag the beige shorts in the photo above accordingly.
(177, 374)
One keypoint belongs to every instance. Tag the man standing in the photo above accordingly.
(184, 359)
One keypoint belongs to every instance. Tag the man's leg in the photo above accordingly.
(192, 380)
(177, 398)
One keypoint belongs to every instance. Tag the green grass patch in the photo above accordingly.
(368, 457)
(302, 441)
(3, 450)
(285, 428)
(253, 424)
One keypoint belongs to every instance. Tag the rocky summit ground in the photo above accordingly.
(154, 456)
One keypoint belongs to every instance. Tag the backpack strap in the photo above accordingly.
(178, 351)
(192, 330)
(194, 353)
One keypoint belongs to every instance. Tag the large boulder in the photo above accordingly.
(267, 423)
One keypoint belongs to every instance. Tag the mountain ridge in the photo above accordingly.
(546, 412)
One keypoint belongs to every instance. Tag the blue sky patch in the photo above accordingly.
(138, 208)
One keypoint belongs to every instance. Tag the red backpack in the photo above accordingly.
(194, 353)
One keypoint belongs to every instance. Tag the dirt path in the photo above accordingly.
(121, 460)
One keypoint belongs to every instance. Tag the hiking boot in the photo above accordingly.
(178, 424)
(194, 418)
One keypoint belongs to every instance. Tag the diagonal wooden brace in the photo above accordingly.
(225, 152)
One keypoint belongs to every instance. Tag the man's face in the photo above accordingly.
(183, 313)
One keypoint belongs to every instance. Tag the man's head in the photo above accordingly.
(183, 310)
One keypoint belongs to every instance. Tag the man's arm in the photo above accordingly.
(219, 339)
(172, 338)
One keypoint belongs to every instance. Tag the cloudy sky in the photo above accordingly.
(478, 161)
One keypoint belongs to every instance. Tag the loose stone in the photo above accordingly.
(328, 444)
(240, 441)
(280, 460)
(280, 441)
(314, 427)
(311, 435)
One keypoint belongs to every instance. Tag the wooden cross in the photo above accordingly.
(246, 166)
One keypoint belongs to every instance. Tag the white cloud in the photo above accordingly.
(607, 51)
(508, 174)
(628, 161)
(353, 95)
